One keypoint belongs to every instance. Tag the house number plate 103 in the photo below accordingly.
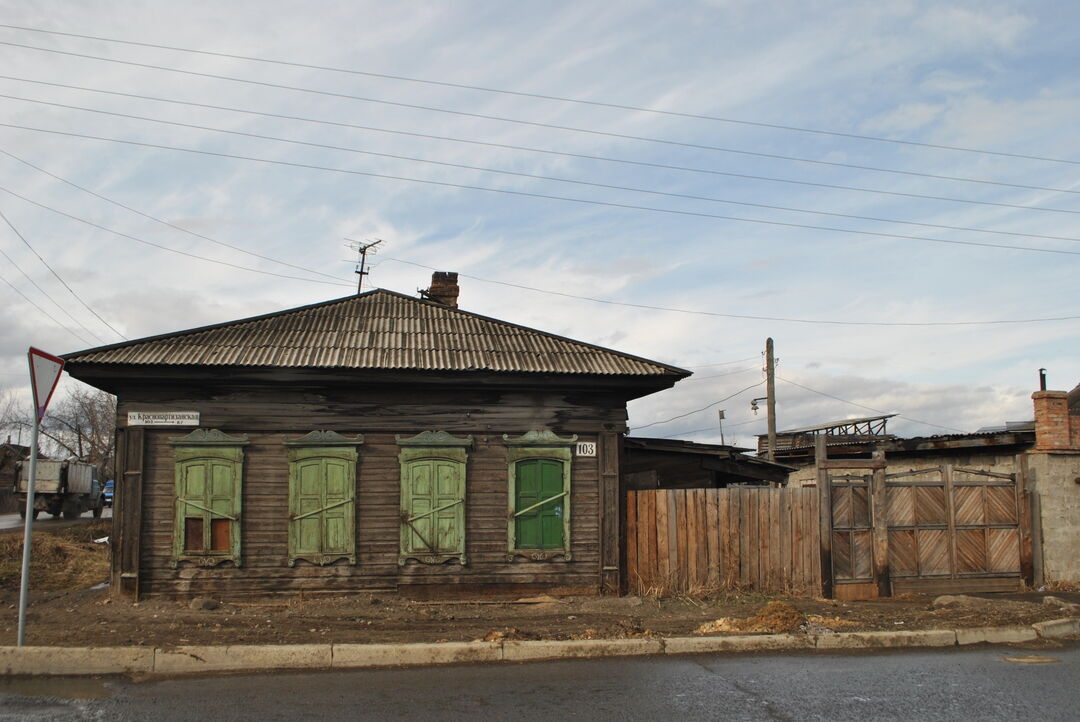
(586, 448)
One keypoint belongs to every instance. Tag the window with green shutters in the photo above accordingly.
(538, 526)
(433, 498)
(209, 480)
(322, 498)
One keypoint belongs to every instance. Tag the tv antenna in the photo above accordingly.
(361, 266)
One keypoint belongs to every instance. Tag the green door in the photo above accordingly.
(434, 514)
(540, 526)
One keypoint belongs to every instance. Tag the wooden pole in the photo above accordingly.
(770, 392)
(880, 534)
(825, 516)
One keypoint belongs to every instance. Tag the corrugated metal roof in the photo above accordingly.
(376, 330)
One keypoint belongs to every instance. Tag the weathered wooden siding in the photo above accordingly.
(706, 540)
(269, 417)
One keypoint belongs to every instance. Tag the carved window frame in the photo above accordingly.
(432, 446)
(532, 445)
(204, 446)
(331, 446)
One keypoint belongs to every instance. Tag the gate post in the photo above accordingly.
(1024, 518)
(879, 506)
(825, 516)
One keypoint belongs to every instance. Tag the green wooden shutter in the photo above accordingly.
(538, 518)
(433, 509)
(322, 495)
(433, 497)
(539, 524)
(209, 473)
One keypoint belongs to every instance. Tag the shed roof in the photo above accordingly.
(376, 330)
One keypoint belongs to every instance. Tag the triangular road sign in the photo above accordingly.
(44, 374)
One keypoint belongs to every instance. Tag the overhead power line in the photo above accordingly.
(586, 156)
(868, 408)
(535, 176)
(44, 312)
(92, 224)
(562, 99)
(164, 222)
(740, 316)
(703, 408)
(717, 376)
(714, 428)
(527, 194)
(448, 111)
(63, 283)
(722, 363)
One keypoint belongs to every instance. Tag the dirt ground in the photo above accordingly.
(64, 611)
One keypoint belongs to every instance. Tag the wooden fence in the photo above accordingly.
(703, 540)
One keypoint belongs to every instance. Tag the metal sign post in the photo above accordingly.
(44, 374)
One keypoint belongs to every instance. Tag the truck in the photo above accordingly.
(62, 487)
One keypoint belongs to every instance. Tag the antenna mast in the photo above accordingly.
(361, 266)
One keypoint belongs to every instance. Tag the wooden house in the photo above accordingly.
(374, 442)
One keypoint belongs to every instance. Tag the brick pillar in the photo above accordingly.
(1052, 430)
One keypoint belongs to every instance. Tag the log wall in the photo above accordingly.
(269, 416)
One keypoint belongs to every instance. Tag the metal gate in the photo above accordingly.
(939, 529)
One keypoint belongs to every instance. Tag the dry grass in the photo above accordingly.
(66, 559)
(773, 618)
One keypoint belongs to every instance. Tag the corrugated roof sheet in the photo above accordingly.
(376, 330)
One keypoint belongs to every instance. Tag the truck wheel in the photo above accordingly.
(72, 511)
(35, 514)
(22, 511)
(97, 511)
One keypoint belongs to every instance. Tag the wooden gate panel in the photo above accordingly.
(970, 551)
(903, 554)
(860, 506)
(1003, 550)
(841, 507)
(862, 554)
(930, 505)
(841, 555)
(933, 552)
(969, 505)
(1001, 505)
(901, 506)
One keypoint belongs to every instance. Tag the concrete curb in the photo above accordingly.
(72, 661)
(1057, 628)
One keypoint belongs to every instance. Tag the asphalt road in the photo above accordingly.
(46, 521)
(956, 684)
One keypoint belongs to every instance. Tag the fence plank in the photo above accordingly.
(632, 571)
(693, 540)
(712, 537)
(649, 527)
(681, 499)
(663, 551)
(729, 539)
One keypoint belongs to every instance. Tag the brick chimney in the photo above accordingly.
(1052, 421)
(444, 289)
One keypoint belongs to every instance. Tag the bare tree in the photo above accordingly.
(82, 424)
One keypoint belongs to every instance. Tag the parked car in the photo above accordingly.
(107, 493)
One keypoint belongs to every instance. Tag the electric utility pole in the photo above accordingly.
(770, 393)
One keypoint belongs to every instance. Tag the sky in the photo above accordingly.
(889, 190)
